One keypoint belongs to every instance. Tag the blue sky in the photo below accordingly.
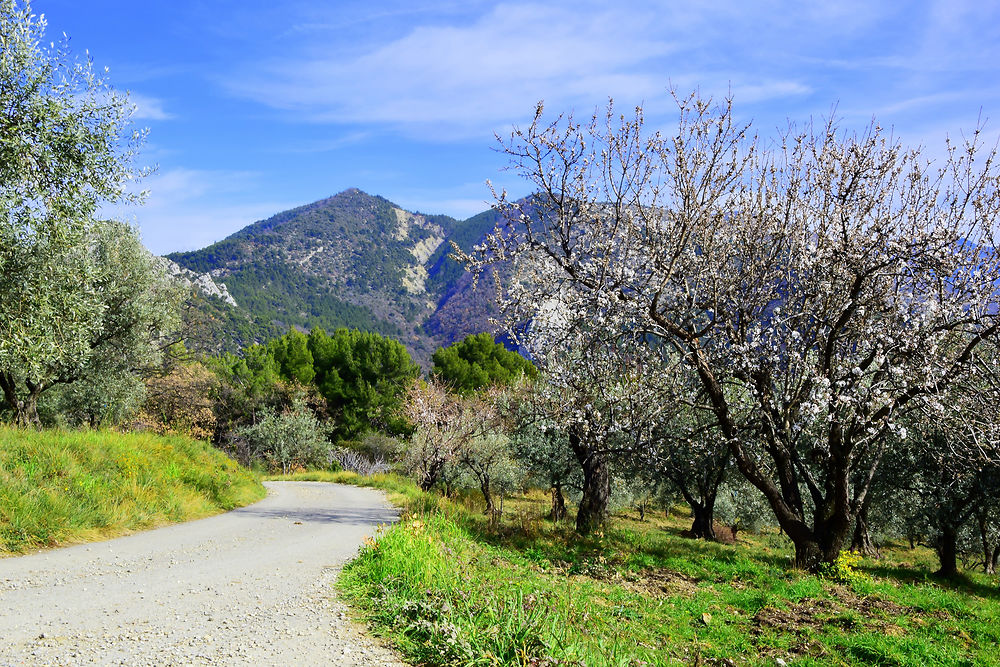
(254, 107)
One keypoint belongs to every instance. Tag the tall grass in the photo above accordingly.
(59, 487)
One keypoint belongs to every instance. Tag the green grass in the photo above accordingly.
(450, 588)
(62, 487)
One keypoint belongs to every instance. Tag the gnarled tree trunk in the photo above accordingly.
(703, 515)
(484, 486)
(593, 510)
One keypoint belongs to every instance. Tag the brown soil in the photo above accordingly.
(847, 609)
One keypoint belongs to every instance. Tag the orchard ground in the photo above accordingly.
(450, 586)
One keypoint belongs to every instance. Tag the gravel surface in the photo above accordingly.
(249, 587)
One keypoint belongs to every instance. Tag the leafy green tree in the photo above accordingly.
(477, 362)
(293, 356)
(138, 306)
(363, 377)
(66, 147)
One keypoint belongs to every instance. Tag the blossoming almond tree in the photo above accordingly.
(809, 283)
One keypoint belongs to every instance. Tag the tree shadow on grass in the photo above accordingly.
(962, 583)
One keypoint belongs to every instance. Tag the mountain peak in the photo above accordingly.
(352, 259)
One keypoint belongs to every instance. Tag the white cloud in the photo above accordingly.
(471, 77)
(148, 108)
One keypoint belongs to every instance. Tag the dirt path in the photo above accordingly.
(249, 587)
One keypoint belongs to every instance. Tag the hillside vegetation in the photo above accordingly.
(59, 487)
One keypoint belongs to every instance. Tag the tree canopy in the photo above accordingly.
(66, 147)
(477, 362)
(816, 287)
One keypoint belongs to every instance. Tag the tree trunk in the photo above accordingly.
(808, 555)
(947, 549)
(29, 408)
(820, 545)
(484, 486)
(593, 508)
(558, 503)
(704, 519)
(25, 411)
(862, 540)
(995, 560)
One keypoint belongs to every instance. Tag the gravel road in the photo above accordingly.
(249, 587)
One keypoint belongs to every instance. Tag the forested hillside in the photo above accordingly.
(351, 260)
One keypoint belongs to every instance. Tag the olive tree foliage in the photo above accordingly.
(284, 440)
(740, 506)
(542, 449)
(808, 283)
(136, 312)
(693, 458)
(66, 147)
(461, 441)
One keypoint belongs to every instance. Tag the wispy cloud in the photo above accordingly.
(474, 76)
(191, 208)
(464, 77)
(148, 108)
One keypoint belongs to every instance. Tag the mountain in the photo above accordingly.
(353, 260)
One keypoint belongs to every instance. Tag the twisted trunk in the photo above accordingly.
(484, 487)
(25, 410)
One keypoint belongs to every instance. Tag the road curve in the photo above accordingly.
(249, 587)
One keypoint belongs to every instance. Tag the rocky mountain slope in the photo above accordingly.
(354, 260)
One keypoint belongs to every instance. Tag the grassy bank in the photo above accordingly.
(449, 587)
(59, 487)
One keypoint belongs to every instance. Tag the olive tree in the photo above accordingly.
(66, 147)
(810, 281)
(950, 464)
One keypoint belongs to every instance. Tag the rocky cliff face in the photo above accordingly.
(203, 282)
